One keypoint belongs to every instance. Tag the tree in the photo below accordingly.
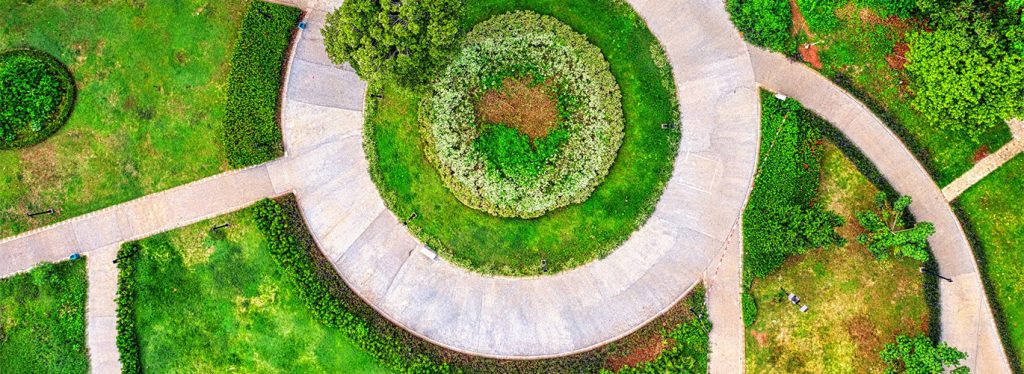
(966, 75)
(887, 234)
(919, 355)
(399, 40)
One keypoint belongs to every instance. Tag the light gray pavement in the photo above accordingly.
(727, 338)
(543, 316)
(101, 311)
(988, 164)
(967, 321)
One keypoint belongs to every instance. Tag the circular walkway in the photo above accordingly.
(543, 316)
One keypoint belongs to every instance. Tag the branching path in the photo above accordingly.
(967, 321)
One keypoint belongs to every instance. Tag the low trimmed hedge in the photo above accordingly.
(37, 94)
(251, 131)
(127, 328)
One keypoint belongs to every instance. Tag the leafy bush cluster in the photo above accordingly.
(919, 355)
(689, 345)
(749, 309)
(42, 320)
(37, 93)
(513, 155)
(594, 131)
(781, 217)
(887, 232)
(764, 22)
(290, 252)
(401, 41)
(127, 289)
(251, 132)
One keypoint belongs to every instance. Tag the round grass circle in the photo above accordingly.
(526, 119)
(565, 237)
(37, 93)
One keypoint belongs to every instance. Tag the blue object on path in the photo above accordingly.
(75, 256)
(302, 25)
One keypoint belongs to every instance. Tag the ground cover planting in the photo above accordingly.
(42, 320)
(870, 48)
(151, 79)
(857, 303)
(251, 130)
(212, 301)
(37, 93)
(499, 168)
(564, 237)
(991, 213)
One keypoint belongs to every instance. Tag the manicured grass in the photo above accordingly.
(857, 303)
(42, 320)
(251, 132)
(219, 302)
(566, 237)
(992, 212)
(151, 78)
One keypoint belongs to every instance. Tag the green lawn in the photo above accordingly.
(566, 237)
(993, 211)
(857, 303)
(218, 303)
(152, 79)
(42, 320)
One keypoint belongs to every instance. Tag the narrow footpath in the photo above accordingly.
(967, 321)
(988, 164)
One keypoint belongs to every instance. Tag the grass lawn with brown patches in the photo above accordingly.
(151, 79)
(857, 303)
(218, 302)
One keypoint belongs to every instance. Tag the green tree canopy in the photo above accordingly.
(403, 40)
(919, 355)
(887, 233)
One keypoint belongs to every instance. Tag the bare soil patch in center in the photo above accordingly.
(522, 105)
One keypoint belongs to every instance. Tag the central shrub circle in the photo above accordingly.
(36, 97)
(526, 119)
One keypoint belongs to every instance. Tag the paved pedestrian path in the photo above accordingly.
(988, 164)
(101, 311)
(967, 321)
(727, 338)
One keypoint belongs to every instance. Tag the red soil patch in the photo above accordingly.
(897, 59)
(520, 104)
(981, 153)
(760, 337)
(808, 51)
(644, 352)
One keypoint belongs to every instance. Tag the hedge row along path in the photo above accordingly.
(988, 164)
(966, 320)
(556, 315)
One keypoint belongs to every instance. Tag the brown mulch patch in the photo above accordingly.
(809, 53)
(897, 59)
(981, 153)
(520, 104)
(865, 337)
(644, 352)
(760, 337)
(799, 22)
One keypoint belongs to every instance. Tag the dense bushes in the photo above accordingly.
(588, 135)
(919, 355)
(402, 41)
(127, 326)
(688, 345)
(764, 22)
(251, 132)
(782, 217)
(37, 93)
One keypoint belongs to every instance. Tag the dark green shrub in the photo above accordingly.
(782, 217)
(764, 22)
(251, 132)
(919, 355)
(749, 309)
(127, 330)
(888, 233)
(37, 93)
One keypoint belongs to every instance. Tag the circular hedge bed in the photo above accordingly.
(37, 93)
(527, 118)
(396, 143)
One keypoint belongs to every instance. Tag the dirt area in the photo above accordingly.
(981, 153)
(645, 352)
(809, 52)
(897, 59)
(865, 337)
(521, 104)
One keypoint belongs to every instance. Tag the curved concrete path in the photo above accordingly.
(544, 316)
(967, 321)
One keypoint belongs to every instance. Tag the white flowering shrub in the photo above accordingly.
(551, 51)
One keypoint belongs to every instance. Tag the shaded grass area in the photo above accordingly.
(566, 237)
(42, 320)
(151, 79)
(857, 303)
(992, 214)
(216, 302)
